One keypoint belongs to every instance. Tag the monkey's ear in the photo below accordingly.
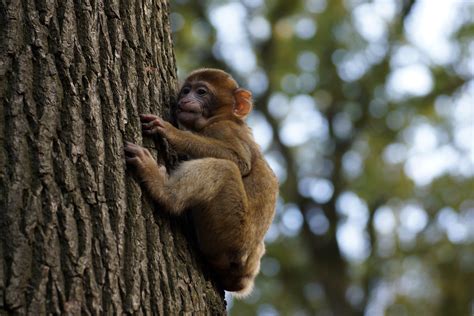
(243, 102)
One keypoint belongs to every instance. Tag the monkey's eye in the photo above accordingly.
(201, 91)
(185, 90)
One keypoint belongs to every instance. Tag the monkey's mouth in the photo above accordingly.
(188, 116)
(190, 111)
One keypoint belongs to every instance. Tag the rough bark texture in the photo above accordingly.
(77, 236)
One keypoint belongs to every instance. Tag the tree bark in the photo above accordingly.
(77, 235)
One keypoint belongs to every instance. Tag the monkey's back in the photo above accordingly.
(260, 182)
(261, 186)
(230, 230)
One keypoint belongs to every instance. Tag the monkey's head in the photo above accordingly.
(210, 94)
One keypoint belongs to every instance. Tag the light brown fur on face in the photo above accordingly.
(227, 184)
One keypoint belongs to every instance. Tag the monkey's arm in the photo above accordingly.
(199, 146)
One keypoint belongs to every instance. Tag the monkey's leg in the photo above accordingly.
(214, 191)
(211, 187)
(199, 183)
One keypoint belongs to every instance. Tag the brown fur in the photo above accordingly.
(228, 185)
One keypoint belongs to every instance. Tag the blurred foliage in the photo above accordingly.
(370, 128)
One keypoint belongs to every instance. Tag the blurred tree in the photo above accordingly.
(369, 125)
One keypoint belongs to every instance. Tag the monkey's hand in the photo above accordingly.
(153, 125)
(140, 158)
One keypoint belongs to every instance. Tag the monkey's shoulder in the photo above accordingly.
(229, 130)
(227, 123)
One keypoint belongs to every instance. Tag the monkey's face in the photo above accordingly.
(194, 104)
(209, 95)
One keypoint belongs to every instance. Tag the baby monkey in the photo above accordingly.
(227, 184)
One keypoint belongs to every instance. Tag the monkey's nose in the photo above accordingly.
(182, 105)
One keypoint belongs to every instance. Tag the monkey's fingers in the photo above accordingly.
(132, 150)
(156, 130)
(147, 117)
(149, 132)
(129, 147)
(133, 161)
(159, 122)
(151, 124)
(132, 145)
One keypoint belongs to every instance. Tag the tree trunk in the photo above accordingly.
(77, 236)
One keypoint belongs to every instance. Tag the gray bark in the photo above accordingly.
(77, 234)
